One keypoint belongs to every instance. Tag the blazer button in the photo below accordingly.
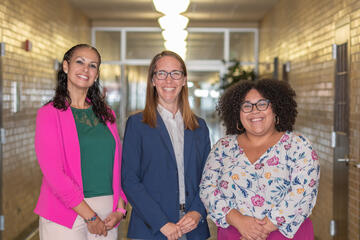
(187, 193)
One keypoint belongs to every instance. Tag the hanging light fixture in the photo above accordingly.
(170, 7)
(176, 22)
(173, 24)
(179, 48)
(170, 34)
(175, 45)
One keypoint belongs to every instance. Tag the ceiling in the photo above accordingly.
(202, 13)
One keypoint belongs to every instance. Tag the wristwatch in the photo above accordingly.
(92, 219)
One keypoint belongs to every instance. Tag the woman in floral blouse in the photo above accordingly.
(261, 180)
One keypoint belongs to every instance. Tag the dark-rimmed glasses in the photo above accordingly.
(260, 105)
(162, 75)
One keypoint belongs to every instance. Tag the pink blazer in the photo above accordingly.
(58, 152)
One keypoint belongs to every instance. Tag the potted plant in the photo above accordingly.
(235, 74)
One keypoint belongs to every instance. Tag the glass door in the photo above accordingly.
(203, 97)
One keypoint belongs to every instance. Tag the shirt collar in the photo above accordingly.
(166, 113)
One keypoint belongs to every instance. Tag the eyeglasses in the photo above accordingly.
(162, 75)
(260, 105)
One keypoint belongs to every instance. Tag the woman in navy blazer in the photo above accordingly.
(164, 151)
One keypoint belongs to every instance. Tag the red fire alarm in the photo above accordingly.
(28, 45)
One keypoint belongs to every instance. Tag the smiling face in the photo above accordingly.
(168, 90)
(257, 122)
(82, 69)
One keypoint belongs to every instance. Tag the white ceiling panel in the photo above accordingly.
(206, 13)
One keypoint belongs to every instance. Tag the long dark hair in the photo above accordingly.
(62, 99)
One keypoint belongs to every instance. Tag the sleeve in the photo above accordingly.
(142, 202)
(114, 126)
(50, 154)
(217, 204)
(298, 203)
(122, 194)
(197, 204)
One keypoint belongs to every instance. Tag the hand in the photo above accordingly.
(189, 221)
(113, 219)
(251, 229)
(171, 231)
(248, 227)
(97, 227)
(267, 224)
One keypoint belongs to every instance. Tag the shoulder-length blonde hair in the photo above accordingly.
(149, 113)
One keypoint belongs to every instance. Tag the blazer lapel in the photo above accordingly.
(188, 144)
(165, 137)
(71, 143)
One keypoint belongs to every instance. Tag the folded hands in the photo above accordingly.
(186, 224)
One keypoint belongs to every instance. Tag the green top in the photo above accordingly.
(97, 149)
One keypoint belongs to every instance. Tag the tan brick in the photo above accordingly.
(306, 36)
(52, 27)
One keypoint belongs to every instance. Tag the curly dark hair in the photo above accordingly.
(62, 99)
(280, 94)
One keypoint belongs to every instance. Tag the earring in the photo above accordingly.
(277, 120)
(240, 129)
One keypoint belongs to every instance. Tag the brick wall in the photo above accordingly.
(302, 32)
(52, 26)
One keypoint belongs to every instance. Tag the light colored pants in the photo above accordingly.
(102, 205)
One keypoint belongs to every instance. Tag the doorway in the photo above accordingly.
(341, 148)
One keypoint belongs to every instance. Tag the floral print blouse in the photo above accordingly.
(281, 185)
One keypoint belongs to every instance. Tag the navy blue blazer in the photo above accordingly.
(150, 180)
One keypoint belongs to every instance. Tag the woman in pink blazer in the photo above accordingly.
(79, 153)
